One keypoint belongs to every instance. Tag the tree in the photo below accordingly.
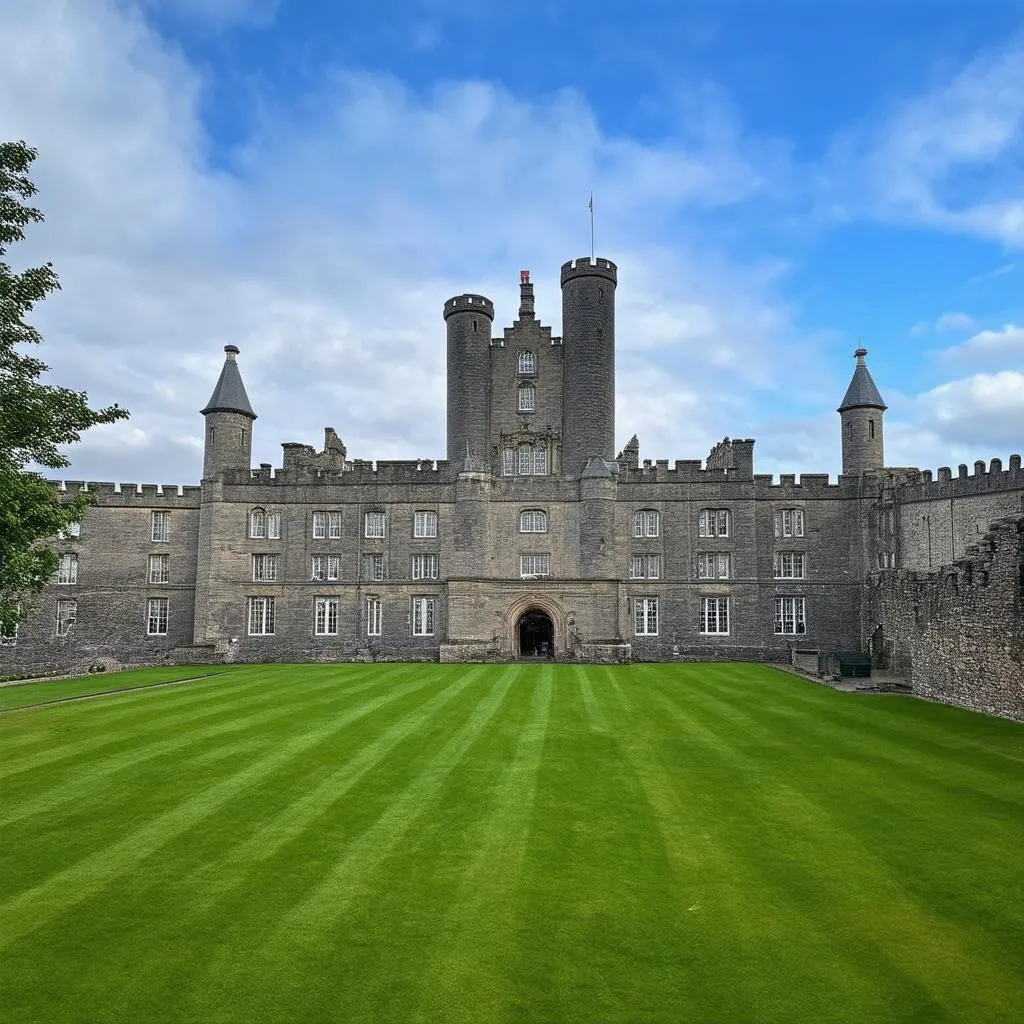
(35, 418)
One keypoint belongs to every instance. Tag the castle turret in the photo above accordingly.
(229, 418)
(588, 338)
(468, 319)
(861, 414)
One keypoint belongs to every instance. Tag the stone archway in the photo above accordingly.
(535, 634)
(522, 606)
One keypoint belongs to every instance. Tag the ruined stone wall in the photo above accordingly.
(957, 633)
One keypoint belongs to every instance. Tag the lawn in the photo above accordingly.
(507, 843)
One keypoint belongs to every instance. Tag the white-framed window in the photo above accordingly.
(327, 525)
(645, 611)
(159, 568)
(319, 525)
(375, 525)
(789, 616)
(788, 565)
(373, 567)
(156, 616)
(525, 459)
(273, 526)
(264, 568)
(533, 520)
(887, 559)
(540, 461)
(527, 397)
(67, 568)
(424, 524)
(261, 616)
(334, 525)
(645, 567)
(527, 362)
(424, 567)
(714, 615)
(67, 615)
(373, 616)
(534, 565)
(789, 522)
(326, 567)
(508, 462)
(422, 616)
(713, 522)
(71, 530)
(714, 565)
(257, 524)
(646, 523)
(161, 527)
(325, 616)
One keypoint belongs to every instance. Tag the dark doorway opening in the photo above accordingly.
(536, 635)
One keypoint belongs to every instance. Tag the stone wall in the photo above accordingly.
(957, 634)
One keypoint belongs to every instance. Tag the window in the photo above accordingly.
(646, 523)
(527, 362)
(533, 520)
(646, 614)
(424, 524)
(714, 615)
(534, 565)
(273, 526)
(159, 568)
(73, 530)
(156, 616)
(326, 524)
(264, 568)
(540, 461)
(319, 525)
(424, 567)
(257, 524)
(789, 615)
(871, 429)
(67, 613)
(713, 522)
(326, 567)
(789, 522)
(373, 616)
(508, 462)
(67, 569)
(373, 567)
(525, 459)
(261, 616)
(645, 567)
(375, 525)
(789, 565)
(162, 527)
(422, 616)
(334, 525)
(527, 394)
(325, 619)
(714, 565)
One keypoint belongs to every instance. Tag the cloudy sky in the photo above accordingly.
(310, 180)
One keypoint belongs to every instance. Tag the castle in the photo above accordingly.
(535, 539)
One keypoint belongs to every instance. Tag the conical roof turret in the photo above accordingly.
(862, 392)
(229, 394)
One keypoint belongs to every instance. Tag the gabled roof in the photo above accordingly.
(229, 394)
(862, 391)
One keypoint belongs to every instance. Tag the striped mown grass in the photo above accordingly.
(509, 843)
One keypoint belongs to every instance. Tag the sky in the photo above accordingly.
(311, 180)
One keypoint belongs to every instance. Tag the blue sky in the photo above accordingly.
(311, 180)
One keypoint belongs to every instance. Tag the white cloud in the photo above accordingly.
(984, 410)
(1006, 344)
(954, 322)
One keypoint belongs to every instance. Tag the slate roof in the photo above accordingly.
(229, 394)
(862, 391)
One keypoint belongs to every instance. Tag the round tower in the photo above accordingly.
(588, 345)
(229, 418)
(861, 414)
(468, 319)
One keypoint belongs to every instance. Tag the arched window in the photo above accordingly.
(646, 523)
(527, 362)
(527, 394)
(533, 520)
(258, 523)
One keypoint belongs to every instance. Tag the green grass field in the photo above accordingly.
(506, 843)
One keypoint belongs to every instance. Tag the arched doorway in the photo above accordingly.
(536, 634)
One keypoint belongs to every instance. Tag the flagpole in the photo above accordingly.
(591, 225)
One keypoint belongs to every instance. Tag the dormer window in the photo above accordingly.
(527, 363)
(527, 396)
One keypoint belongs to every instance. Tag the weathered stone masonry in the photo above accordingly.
(532, 516)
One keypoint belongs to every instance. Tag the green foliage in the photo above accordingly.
(36, 419)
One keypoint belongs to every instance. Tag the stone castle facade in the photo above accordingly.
(534, 538)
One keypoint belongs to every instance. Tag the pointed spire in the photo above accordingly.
(526, 310)
(862, 391)
(229, 394)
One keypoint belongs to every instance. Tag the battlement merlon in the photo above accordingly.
(584, 266)
(469, 303)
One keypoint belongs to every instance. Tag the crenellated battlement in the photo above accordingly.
(469, 303)
(692, 471)
(134, 494)
(984, 479)
(357, 472)
(584, 266)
